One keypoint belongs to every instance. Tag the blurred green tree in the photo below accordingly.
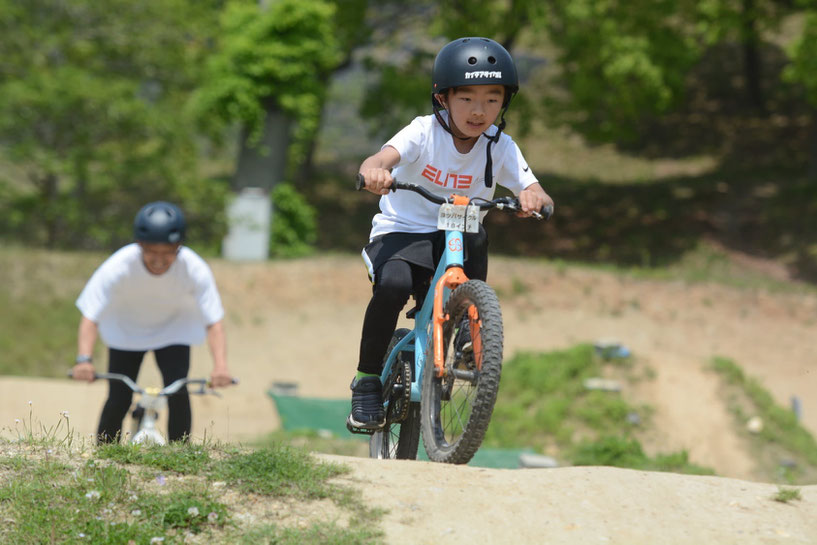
(90, 101)
(621, 68)
(269, 74)
(803, 70)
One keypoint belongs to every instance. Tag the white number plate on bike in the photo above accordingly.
(458, 217)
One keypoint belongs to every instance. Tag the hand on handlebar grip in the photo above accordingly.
(83, 371)
(377, 181)
(219, 381)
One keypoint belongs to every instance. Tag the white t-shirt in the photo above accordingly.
(428, 158)
(137, 310)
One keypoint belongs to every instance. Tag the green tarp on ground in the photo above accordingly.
(309, 413)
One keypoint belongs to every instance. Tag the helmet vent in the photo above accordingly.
(491, 60)
(472, 60)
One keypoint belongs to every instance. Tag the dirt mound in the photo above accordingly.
(431, 503)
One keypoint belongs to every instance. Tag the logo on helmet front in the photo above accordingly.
(477, 74)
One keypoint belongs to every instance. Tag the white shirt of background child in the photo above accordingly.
(428, 158)
(137, 310)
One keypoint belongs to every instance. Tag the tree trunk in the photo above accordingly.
(263, 164)
(48, 188)
(752, 71)
(812, 167)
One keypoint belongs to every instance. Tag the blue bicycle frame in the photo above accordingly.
(448, 275)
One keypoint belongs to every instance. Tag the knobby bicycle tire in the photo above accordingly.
(456, 411)
(400, 437)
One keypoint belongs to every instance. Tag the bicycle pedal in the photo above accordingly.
(363, 431)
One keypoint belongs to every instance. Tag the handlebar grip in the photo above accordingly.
(360, 183)
(546, 212)
(70, 374)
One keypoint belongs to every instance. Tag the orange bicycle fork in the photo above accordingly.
(450, 279)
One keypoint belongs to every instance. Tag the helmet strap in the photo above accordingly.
(436, 105)
(489, 162)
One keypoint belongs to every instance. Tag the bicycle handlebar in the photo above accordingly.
(500, 203)
(168, 390)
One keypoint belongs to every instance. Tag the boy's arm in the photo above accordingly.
(376, 170)
(86, 339)
(217, 342)
(533, 198)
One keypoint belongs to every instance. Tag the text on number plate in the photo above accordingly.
(458, 217)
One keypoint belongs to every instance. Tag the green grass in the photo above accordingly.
(178, 457)
(544, 404)
(785, 495)
(618, 451)
(57, 502)
(781, 437)
(38, 325)
(279, 471)
(51, 492)
(543, 400)
(314, 441)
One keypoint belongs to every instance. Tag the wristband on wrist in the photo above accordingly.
(84, 358)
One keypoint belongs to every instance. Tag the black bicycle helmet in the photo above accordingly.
(160, 222)
(474, 61)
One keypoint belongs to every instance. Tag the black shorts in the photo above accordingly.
(422, 250)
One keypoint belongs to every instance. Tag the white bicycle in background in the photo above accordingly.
(152, 401)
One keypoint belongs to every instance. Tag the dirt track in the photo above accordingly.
(433, 503)
(299, 321)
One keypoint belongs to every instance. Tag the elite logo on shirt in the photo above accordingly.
(452, 180)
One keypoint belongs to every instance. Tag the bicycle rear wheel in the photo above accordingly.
(456, 409)
(400, 437)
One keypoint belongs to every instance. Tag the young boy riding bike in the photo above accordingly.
(458, 150)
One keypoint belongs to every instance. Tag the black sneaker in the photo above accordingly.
(367, 404)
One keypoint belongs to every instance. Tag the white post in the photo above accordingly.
(248, 217)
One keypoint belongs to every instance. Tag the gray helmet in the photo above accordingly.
(474, 61)
(160, 222)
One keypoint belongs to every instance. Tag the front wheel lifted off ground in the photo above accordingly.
(456, 409)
